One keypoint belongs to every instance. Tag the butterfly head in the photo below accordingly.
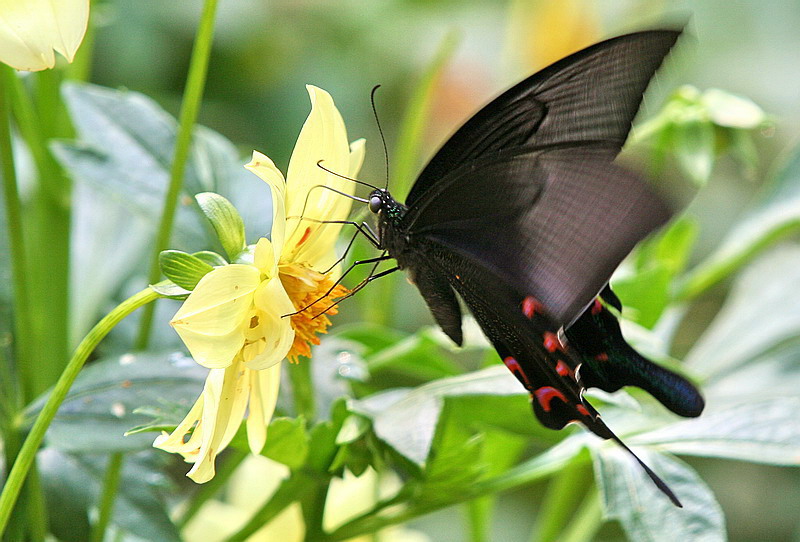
(383, 204)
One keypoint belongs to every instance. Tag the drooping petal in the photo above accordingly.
(31, 30)
(173, 442)
(276, 332)
(262, 166)
(264, 387)
(210, 321)
(323, 138)
(220, 403)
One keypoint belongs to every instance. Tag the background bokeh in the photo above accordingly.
(265, 52)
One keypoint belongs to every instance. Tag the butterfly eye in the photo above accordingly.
(375, 203)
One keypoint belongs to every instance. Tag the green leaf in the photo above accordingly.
(287, 442)
(102, 404)
(762, 432)
(183, 269)
(645, 513)
(211, 258)
(776, 216)
(138, 507)
(645, 294)
(406, 419)
(761, 312)
(415, 359)
(226, 221)
(694, 142)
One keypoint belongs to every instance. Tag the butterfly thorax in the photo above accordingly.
(392, 234)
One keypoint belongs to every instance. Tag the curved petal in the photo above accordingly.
(265, 258)
(323, 138)
(213, 351)
(358, 150)
(31, 30)
(173, 442)
(277, 333)
(220, 300)
(264, 387)
(265, 169)
(222, 401)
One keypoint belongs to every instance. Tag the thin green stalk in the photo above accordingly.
(313, 505)
(107, 497)
(479, 513)
(192, 97)
(303, 389)
(224, 471)
(19, 267)
(291, 490)
(28, 452)
(47, 224)
(562, 497)
(587, 520)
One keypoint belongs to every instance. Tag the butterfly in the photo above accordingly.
(524, 215)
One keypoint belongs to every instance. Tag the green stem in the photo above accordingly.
(303, 389)
(109, 494)
(479, 513)
(28, 452)
(47, 224)
(290, 490)
(561, 499)
(192, 97)
(19, 267)
(313, 505)
(224, 471)
(587, 520)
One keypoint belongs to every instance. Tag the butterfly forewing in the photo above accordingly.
(590, 96)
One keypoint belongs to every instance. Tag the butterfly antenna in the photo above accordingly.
(380, 130)
(323, 168)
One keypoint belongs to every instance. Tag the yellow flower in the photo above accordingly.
(30, 30)
(232, 322)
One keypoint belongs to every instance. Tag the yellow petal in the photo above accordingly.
(265, 258)
(273, 302)
(262, 166)
(173, 442)
(210, 322)
(323, 138)
(358, 149)
(222, 401)
(31, 29)
(264, 387)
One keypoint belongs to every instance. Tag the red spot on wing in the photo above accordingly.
(602, 356)
(582, 409)
(563, 369)
(305, 237)
(514, 366)
(545, 396)
(531, 306)
(597, 307)
(551, 342)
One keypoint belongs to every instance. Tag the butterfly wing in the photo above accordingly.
(589, 97)
(526, 338)
(554, 223)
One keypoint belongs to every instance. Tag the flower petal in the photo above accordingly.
(277, 333)
(265, 258)
(264, 387)
(210, 322)
(262, 166)
(358, 149)
(223, 398)
(31, 30)
(173, 442)
(323, 138)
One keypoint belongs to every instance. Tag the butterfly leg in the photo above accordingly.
(376, 261)
(361, 285)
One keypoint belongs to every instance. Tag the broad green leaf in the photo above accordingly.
(225, 220)
(406, 419)
(761, 312)
(645, 294)
(169, 289)
(645, 513)
(766, 431)
(182, 268)
(371, 336)
(287, 442)
(417, 358)
(211, 258)
(776, 216)
(138, 507)
(100, 406)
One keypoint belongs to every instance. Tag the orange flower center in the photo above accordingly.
(309, 292)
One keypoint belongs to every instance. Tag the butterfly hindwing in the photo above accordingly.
(554, 223)
(588, 97)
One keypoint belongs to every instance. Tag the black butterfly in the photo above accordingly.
(524, 215)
